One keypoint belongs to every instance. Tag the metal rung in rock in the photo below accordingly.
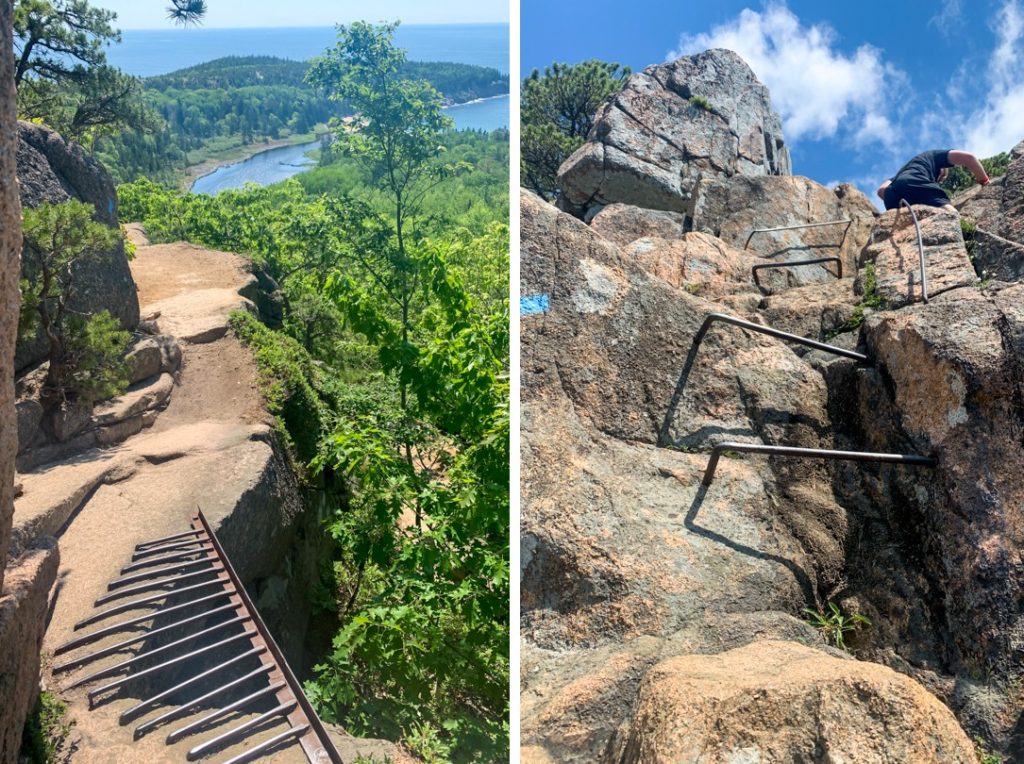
(239, 637)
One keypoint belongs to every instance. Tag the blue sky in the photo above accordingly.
(152, 14)
(861, 87)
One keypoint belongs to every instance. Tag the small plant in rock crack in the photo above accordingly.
(985, 756)
(834, 625)
(700, 101)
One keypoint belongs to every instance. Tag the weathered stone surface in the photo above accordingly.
(22, 623)
(817, 311)
(995, 257)
(30, 416)
(575, 701)
(650, 143)
(779, 702)
(998, 208)
(146, 395)
(151, 355)
(10, 268)
(115, 433)
(200, 316)
(70, 418)
(894, 252)
(612, 546)
(733, 208)
(955, 388)
(624, 223)
(51, 169)
(695, 262)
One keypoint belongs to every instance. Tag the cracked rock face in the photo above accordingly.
(51, 169)
(671, 125)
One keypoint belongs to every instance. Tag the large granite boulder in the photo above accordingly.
(780, 702)
(734, 208)
(896, 257)
(618, 538)
(51, 169)
(671, 125)
(997, 211)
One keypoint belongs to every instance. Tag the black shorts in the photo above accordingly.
(915, 193)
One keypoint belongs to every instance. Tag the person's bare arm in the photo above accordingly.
(967, 160)
(881, 189)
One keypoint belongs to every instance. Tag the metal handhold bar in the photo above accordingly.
(833, 259)
(712, 317)
(125, 606)
(317, 744)
(138, 708)
(110, 649)
(920, 250)
(165, 539)
(173, 662)
(94, 635)
(187, 706)
(131, 579)
(188, 729)
(213, 743)
(811, 453)
(166, 558)
(117, 667)
(176, 546)
(256, 751)
(119, 593)
(803, 225)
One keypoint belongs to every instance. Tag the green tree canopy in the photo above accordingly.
(558, 111)
(59, 40)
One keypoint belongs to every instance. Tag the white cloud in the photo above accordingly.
(948, 17)
(998, 124)
(818, 90)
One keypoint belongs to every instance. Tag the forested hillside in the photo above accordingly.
(233, 102)
(390, 381)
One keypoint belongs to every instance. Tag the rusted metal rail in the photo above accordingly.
(842, 241)
(727, 319)
(920, 250)
(194, 555)
(810, 453)
(790, 263)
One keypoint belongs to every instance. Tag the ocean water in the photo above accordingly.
(146, 52)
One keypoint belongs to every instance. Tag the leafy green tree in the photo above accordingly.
(397, 137)
(60, 40)
(103, 101)
(558, 111)
(84, 353)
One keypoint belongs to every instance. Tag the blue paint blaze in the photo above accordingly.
(110, 206)
(534, 303)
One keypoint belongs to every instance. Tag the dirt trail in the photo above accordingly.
(207, 448)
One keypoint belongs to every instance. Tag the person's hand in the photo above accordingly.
(984, 181)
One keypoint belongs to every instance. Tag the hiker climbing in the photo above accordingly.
(918, 180)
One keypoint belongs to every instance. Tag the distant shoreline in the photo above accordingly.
(194, 173)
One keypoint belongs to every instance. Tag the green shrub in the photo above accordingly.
(46, 730)
(95, 353)
(700, 102)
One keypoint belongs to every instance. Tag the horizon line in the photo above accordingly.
(199, 27)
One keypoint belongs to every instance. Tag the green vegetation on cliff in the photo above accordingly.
(557, 112)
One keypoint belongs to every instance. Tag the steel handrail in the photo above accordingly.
(842, 241)
(833, 258)
(920, 250)
(713, 317)
(812, 453)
